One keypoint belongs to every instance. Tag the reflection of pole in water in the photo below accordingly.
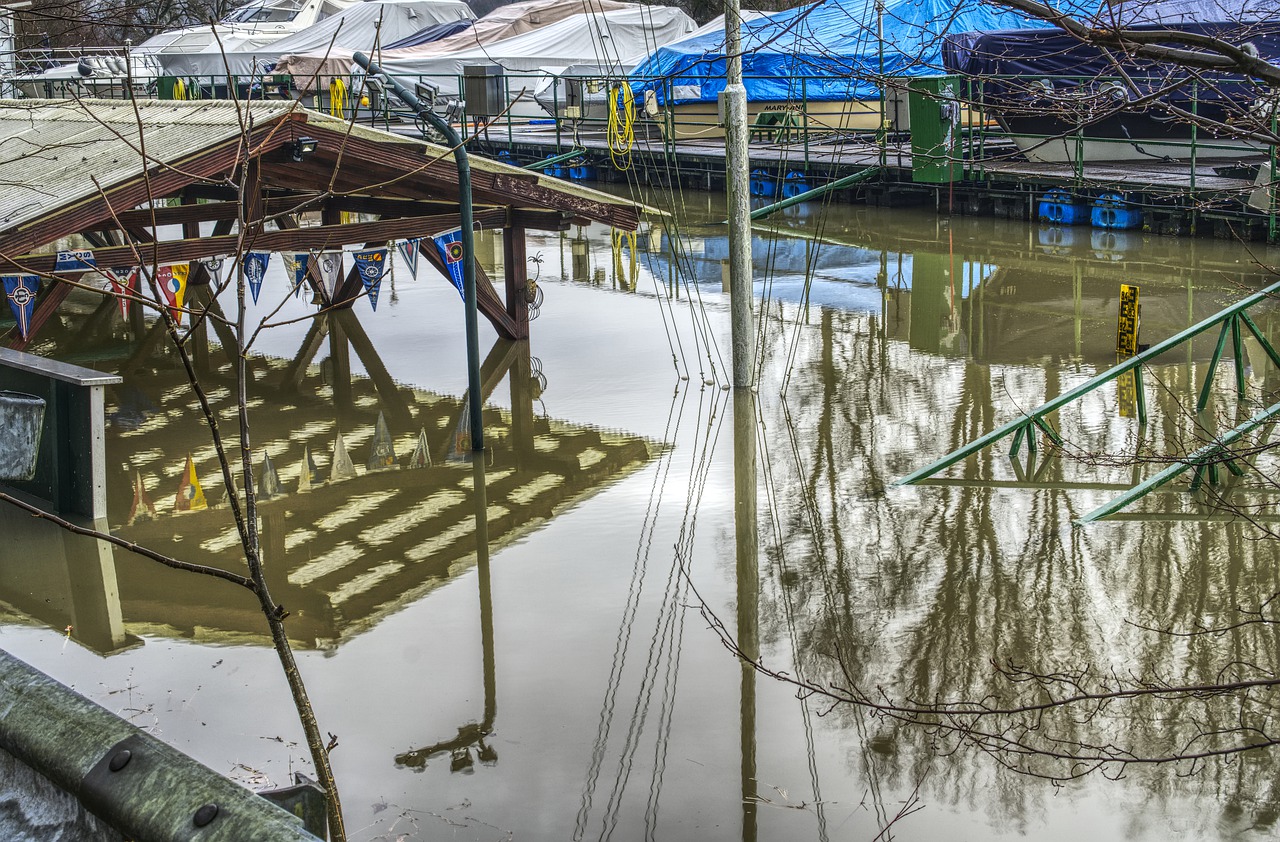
(472, 734)
(486, 600)
(744, 521)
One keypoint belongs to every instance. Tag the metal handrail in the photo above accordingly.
(1021, 428)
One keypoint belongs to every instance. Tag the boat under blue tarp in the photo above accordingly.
(829, 51)
(435, 32)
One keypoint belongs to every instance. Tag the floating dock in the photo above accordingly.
(1174, 197)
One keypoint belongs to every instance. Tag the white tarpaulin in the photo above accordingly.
(599, 38)
(502, 23)
(356, 28)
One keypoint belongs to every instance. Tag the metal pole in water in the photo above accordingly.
(737, 184)
(468, 238)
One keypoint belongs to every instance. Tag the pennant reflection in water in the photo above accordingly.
(255, 269)
(190, 495)
(143, 508)
(382, 454)
(449, 244)
(370, 265)
(269, 484)
(21, 291)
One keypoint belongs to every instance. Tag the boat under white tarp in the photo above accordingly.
(363, 26)
(602, 38)
(553, 91)
(262, 21)
(500, 24)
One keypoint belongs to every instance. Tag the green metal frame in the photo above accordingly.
(1205, 460)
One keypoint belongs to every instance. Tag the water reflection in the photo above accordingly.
(888, 339)
(343, 545)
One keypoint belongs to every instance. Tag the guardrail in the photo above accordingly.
(141, 787)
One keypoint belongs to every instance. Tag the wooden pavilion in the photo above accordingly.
(125, 175)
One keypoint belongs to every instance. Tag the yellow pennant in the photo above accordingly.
(190, 495)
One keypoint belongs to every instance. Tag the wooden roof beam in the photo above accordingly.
(300, 239)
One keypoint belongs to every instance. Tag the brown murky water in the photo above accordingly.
(528, 661)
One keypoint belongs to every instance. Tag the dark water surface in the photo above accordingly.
(532, 664)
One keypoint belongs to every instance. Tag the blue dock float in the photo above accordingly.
(1112, 210)
(794, 184)
(763, 184)
(1061, 208)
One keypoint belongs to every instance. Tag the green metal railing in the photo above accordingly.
(1204, 460)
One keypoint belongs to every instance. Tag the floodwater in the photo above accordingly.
(534, 646)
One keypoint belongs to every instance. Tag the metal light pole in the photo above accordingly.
(468, 237)
(737, 183)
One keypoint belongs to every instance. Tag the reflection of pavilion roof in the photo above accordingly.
(343, 554)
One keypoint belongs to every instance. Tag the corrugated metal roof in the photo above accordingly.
(52, 150)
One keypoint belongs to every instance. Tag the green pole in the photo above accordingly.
(468, 239)
(861, 175)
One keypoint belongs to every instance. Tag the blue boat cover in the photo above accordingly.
(1037, 68)
(828, 51)
(435, 32)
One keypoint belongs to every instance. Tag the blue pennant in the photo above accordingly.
(74, 261)
(21, 291)
(449, 244)
(370, 265)
(255, 268)
(300, 262)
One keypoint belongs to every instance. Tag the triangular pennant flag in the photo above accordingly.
(409, 251)
(21, 291)
(173, 283)
(255, 269)
(190, 495)
(329, 268)
(296, 265)
(307, 471)
(421, 457)
(213, 265)
(142, 507)
(74, 261)
(342, 468)
(269, 483)
(383, 452)
(449, 244)
(124, 283)
(370, 265)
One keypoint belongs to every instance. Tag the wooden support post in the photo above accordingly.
(340, 359)
(520, 380)
(393, 402)
(487, 300)
(297, 368)
(515, 267)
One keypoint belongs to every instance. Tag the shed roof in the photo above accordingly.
(56, 155)
(53, 151)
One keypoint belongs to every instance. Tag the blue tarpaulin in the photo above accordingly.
(435, 32)
(829, 51)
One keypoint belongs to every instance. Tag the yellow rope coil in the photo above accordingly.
(338, 100)
(179, 89)
(622, 111)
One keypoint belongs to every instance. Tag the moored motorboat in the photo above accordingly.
(1061, 99)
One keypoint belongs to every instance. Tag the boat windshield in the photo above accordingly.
(279, 12)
